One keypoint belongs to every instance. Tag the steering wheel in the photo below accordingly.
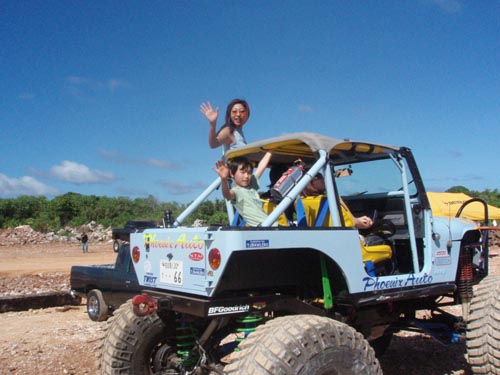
(383, 228)
(380, 232)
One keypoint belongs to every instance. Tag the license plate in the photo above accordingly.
(171, 272)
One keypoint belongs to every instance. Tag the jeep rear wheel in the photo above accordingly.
(133, 345)
(483, 327)
(304, 345)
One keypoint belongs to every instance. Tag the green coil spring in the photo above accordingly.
(186, 341)
(248, 324)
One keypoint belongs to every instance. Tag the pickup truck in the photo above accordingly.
(105, 286)
(121, 235)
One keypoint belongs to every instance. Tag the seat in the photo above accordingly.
(268, 207)
(313, 211)
(238, 220)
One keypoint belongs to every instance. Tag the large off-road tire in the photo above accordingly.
(305, 345)
(97, 308)
(116, 245)
(483, 327)
(131, 343)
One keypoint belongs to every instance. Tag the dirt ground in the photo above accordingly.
(64, 341)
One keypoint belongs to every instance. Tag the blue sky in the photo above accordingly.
(102, 97)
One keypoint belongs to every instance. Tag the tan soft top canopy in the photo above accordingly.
(287, 148)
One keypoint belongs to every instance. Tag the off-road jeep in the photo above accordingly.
(316, 296)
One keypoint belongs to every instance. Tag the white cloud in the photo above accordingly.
(77, 173)
(78, 85)
(163, 164)
(305, 108)
(455, 153)
(130, 191)
(115, 83)
(449, 6)
(76, 80)
(26, 96)
(124, 159)
(25, 185)
(176, 188)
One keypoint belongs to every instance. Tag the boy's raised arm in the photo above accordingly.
(263, 164)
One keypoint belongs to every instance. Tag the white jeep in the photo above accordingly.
(314, 295)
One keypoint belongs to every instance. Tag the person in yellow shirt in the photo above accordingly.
(317, 187)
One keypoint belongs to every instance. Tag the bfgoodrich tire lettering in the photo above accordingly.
(304, 345)
(483, 327)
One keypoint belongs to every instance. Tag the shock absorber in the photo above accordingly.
(247, 325)
(465, 279)
(186, 341)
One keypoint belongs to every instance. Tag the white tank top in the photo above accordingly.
(239, 140)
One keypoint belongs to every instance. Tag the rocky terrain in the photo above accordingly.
(25, 235)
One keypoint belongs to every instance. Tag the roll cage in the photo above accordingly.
(322, 154)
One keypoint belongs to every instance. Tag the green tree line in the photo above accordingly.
(72, 209)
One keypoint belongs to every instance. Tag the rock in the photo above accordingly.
(24, 234)
(198, 223)
(37, 301)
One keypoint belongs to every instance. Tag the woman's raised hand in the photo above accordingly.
(208, 111)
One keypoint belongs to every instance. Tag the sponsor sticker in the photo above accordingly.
(254, 244)
(182, 242)
(150, 280)
(197, 271)
(196, 256)
(442, 261)
(222, 310)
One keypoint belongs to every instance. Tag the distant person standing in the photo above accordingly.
(230, 135)
(85, 243)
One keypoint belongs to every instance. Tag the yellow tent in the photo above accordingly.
(447, 204)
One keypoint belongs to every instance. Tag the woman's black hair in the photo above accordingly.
(229, 122)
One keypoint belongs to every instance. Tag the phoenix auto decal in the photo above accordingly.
(180, 243)
(374, 283)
